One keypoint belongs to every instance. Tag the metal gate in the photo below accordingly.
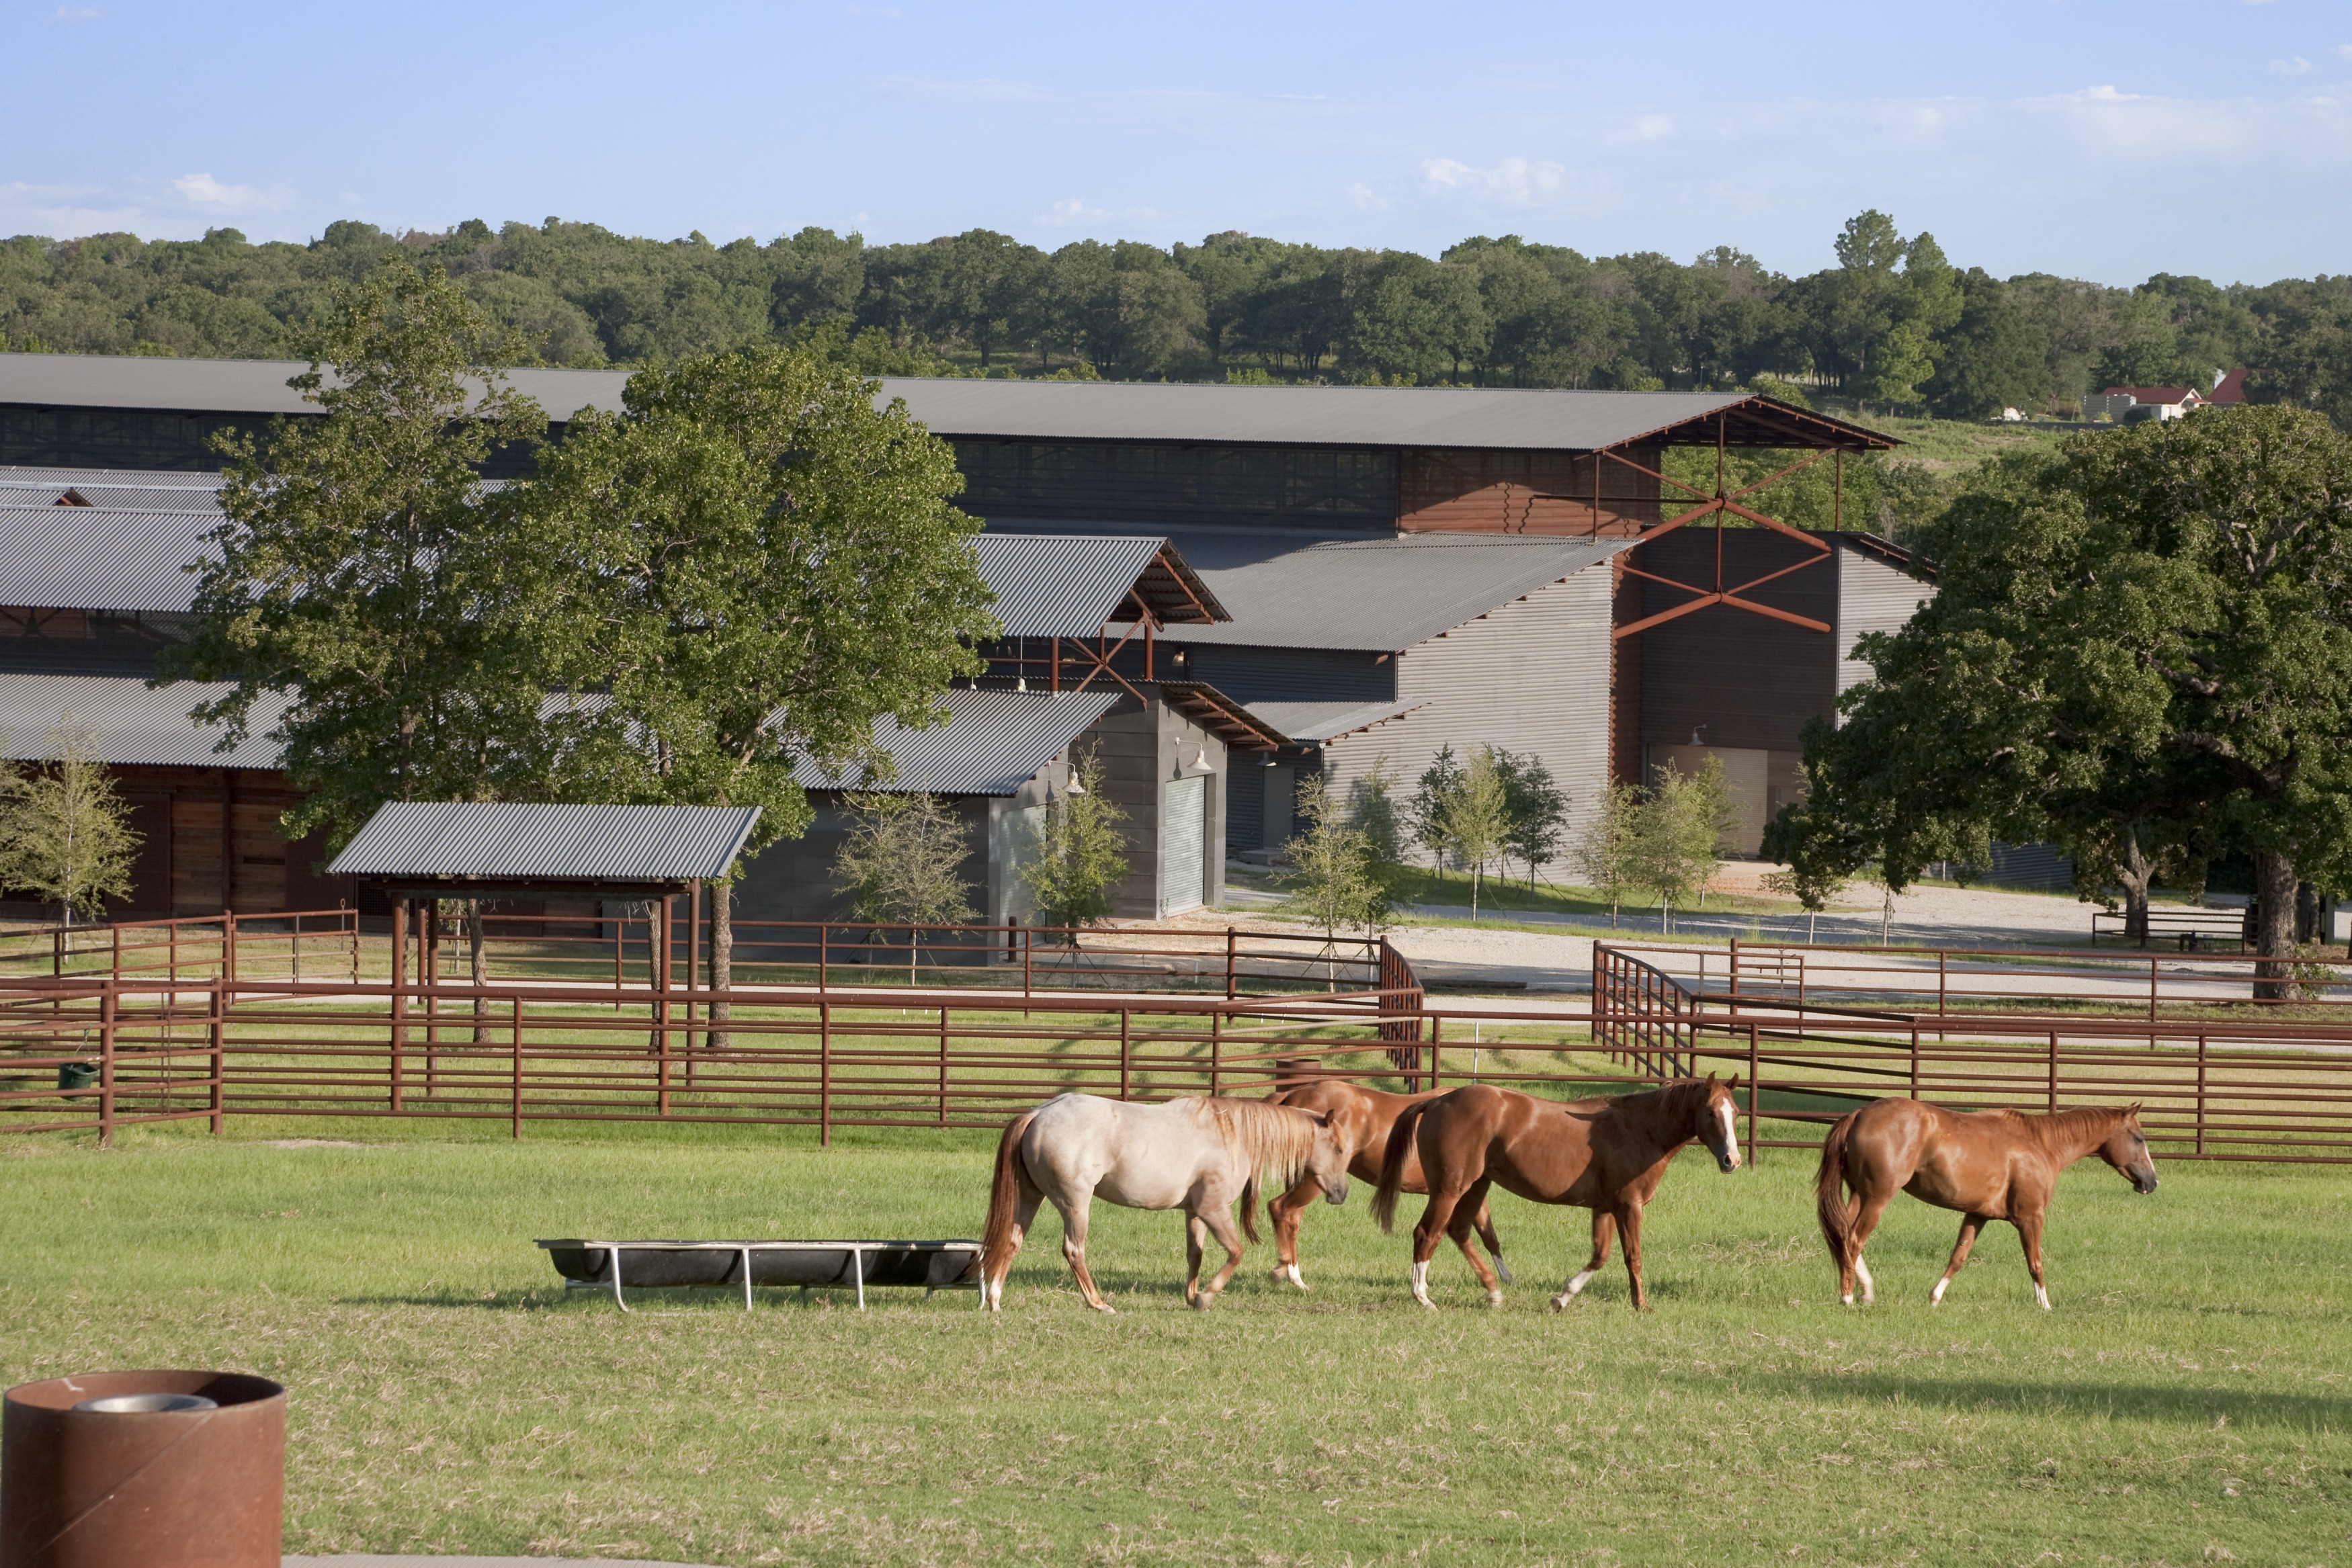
(1184, 844)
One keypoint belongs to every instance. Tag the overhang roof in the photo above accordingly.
(493, 843)
(1241, 728)
(995, 742)
(1494, 418)
(115, 489)
(1316, 724)
(96, 558)
(1071, 585)
(132, 724)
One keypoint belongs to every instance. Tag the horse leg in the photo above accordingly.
(1969, 1224)
(1467, 1214)
(1286, 1212)
(1219, 1223)
(1434, 1218)
(1494, 1244)
(1195, 1228)
(1074, 1248)
(1865, 1220)
(1604, 1225)
(1024, 1211)
(2029, 1231)
(1629, 1221)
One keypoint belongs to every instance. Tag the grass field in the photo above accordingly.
(2187, 1402)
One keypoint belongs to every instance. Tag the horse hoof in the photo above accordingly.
(1502, 1271)
(1494, 1298)
(1560, 1302)
(1104, 1308)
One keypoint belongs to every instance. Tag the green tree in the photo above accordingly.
(1535, 807)
(1080, 855)
(902, 864)
(1336, 884)
(65, 830)
(763, 565)
(1997, 356)
(1672, 842)
(1372, 812)
(1715, 810)
(1604, 853)
(1473, 819)
(1437, 785)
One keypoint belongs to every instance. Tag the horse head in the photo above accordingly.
(2126, 1150)
(1327, 1161)
(1717, 1118)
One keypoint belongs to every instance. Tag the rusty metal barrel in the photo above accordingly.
(165, 1470)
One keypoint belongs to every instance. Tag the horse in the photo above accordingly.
(1197, 1154)
(1360, 1119)
(1988, 1164)
(1606, 1154)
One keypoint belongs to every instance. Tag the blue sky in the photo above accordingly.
(2103, 139)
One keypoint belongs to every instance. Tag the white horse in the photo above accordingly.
(1195, 1155)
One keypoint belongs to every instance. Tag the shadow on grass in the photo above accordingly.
(2186, 1406)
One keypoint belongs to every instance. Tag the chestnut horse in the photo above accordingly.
(1196, 1155)
(1988, 1164)
(1360, 1119)
(1607, 1155)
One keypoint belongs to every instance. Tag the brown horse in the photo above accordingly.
(1607, 1155)
(1988, 1164)
(1360, 1119)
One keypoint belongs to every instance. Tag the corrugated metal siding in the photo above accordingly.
(1872, 596)
(1287, 674)
(1173, 485)
(1061, 585)
(91, 557)
(488, 839)
(135, 725)
(1532, 677)
(1740, 679)
(993, 744)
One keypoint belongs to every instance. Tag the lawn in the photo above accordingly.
(2187, 1402)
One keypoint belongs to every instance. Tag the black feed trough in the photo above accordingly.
(612, 1265)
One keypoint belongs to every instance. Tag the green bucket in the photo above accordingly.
(77, 1076)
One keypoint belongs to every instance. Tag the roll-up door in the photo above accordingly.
(1184, 844)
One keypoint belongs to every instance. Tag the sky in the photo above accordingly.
(2102, 139)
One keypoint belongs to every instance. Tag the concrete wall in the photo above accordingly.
(1141, 751)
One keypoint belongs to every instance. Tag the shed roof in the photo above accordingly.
(1070, 585)
(1379, 593)
(495, 841)
(116, 489)
(994, 742)
(1504, 418)
(1315, 722)
(134, 724)
(98, 558)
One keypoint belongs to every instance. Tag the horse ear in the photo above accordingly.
(1711, 1077)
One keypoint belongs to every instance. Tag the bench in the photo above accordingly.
(2193, 927)
(588, 1265)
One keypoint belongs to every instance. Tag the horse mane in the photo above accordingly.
(2067, 1126)
(1277, 1139)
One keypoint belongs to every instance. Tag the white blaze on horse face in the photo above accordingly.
(1730, 1138)
(1421, 1286)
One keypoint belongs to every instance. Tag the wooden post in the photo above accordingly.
(1216, 1050)
(943, 1067)
(1436, 1025)
(823, 955)
(1754, 1092)
(228, 944)
(620, 957)
(399, 994)
(1126, 1047)
(823, 1073)
(428, 975)
(1915, 1061)
(351, 918)
(693, 960)
(106, 1066)
(2200, 1094)
(515, 1032)
(219, 1032)
(1232, 943)
(2054, 1071)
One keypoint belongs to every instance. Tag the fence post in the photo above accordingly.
(515, 1004)
(229, 939)
(106, 1066)
(219, 1031)
(823, 1073)
(399, 995)
(823, 955)
(172, 950)
(2201, 1096)
(1028, 964)
(56, 954)
(1126, 1045)
(1755, 1090)
(1915, 1061)
(2054, 1071)
(943, 1066)
(1217, 1050)
(1943, 972)
(620, 957)
(352, 917)
(1232, 941)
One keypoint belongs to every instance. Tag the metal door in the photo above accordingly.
(1184, 844)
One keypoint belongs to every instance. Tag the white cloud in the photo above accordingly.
(2345, 49)
(2296, 66)
(1367, 199)
(1073, 214)
(1513, 182)
(892, 12)
(76, 13)
(204, 191)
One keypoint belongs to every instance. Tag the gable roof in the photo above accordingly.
(1070, 585)
(995, 742)
(538, 842)
(133, 725)
(96, 558)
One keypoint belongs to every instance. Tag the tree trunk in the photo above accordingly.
(657, 952)
(475, 968)
(2274, 883)
(722, 958)
(2135, 874)
(1886, 914)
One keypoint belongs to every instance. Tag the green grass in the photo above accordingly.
(2188, 1399)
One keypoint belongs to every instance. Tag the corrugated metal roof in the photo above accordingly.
(994, 742)
(136, 725)
(95, 558)
(1319, 722)
(501, 841)
(1061, 585)
(1379, 593)
(1492, 417)
(116, 489)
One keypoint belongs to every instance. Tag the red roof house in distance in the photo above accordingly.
(2228, 386)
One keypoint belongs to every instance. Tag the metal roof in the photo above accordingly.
(1506, 418)
(1378, 592)
(116, 489)
(1239, 727)
(135, 725)
(503, 841)
(1315, 722)
(994, 742)
(96, 558)
(1069, 585)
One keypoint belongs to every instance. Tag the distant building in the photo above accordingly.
(2127, 406)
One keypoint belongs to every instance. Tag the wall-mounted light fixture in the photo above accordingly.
(1201, 761)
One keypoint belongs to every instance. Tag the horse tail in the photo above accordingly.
(1400, 1136)
(1829, 1191)
(1249, 1207)
(1005, 1192)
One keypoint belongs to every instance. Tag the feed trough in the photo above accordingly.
(588, 1265)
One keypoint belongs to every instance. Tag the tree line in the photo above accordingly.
(1896, 322)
